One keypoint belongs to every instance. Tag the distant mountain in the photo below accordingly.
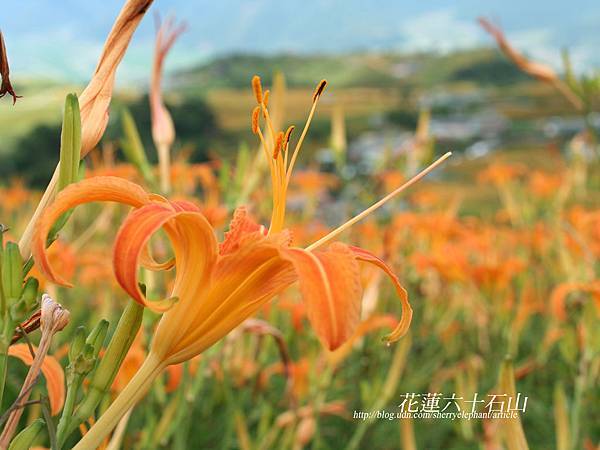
(63, 39)
(379, 70)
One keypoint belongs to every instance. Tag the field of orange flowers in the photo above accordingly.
(261, 304)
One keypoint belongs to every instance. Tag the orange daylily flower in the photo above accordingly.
(218, 286)
(239, 275)
(501, 173)
(371, 324)
(14, 196)
(52, 370)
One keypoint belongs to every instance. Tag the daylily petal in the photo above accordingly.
(242, 282)
(147, 261)
(133, 237)
(184, 205)
(241, 225)
(330, 286)
(364, 327)
(90, 190)
(52, 370)
(400, 330)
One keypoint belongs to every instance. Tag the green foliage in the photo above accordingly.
(34, 157)
(195, 125)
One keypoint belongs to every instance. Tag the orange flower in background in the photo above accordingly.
(561, 292)
(313, 182)
(52, 370)
(390, 179)
(545, 184)
(60, 255)
(131, 364)
(14, 196)
(501, 173)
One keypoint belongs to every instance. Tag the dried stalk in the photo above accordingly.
(53, 319)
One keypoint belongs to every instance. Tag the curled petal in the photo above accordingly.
(147, 261)
(90, 190)
(146, 258)
(132, 241)
(404, 324)
(363, 328)
(52, 370)
(330, 286)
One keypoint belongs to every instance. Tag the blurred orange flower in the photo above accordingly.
(52, 370)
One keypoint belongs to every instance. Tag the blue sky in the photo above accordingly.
(62, 39)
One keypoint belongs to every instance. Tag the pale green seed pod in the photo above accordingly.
(30, 292)
(29, 436)
(70, 143)
(133, 148)
(77, 344)
(12, 272)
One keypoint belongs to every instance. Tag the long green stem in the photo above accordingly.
(67, 412)
(387, 392)
(135, 390)
(107, 369)
(3, 370)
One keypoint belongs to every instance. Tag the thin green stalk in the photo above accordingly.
(3, 370)
(580, 385)
(107, 369)
(67, 412)
(180, 441)
(135, 390)
(387, 392)
(319, 401)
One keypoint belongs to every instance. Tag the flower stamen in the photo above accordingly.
(378, 204)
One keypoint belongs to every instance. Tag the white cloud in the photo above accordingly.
(440, 30)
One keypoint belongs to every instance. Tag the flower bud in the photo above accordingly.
(95, 99)
(96, 338)
(29, 293)
(12, 271)
(133, 148)
(70, 143)
(26, 438)
(77, 344)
